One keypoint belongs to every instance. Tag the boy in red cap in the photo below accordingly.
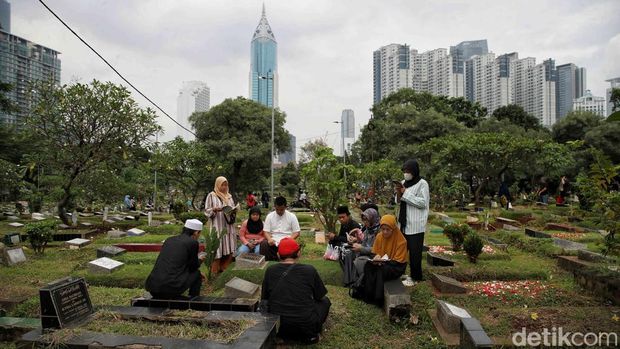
(296, 293)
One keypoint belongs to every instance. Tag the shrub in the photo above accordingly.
(456, 233)
(178, 208)
(473, 246)
(39, 234)
(193, 215)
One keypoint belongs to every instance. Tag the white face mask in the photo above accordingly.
(408, 176)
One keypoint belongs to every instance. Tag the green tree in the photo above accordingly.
(309, 149)
(83, 126)
(6, 105)
(289, 179)
(518, 116)
(595, 187)
(488, 155)
(326, 185)
(605, 137)
(574, 126)
(615, 99)
(378, 175)
(237, 133)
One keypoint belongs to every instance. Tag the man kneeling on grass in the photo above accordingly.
(176, 268)
(296, 293)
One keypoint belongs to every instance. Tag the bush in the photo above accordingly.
(473, 246)
(193, 215)
(39, 234)
(456, 233)
(178, 208)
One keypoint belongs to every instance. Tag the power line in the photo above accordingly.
(114, 69)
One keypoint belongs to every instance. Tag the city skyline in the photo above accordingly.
(325, 49)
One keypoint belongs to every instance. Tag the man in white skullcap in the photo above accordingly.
(177, 266)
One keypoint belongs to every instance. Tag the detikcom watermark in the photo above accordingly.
(556, 337)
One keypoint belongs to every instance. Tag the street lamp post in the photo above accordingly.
(272, 125)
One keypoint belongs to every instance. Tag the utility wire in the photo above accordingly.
(114, 69)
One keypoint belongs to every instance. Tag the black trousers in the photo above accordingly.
(270, 252)
(415, 243)
(375, 276)
(193, 282)
(294, 330)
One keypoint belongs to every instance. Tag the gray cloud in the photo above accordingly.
(325, 47)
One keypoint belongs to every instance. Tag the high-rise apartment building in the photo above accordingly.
(431, 71)
(533, 88)
(264, 64)
(390, 70)
(21, 63)
(615, 83)
(460, 54)
(571, 84)
(347, 130)
(590, 103)
(194, 96)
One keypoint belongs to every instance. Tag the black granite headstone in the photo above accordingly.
(64, 302)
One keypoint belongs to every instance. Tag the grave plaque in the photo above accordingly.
(38, 216)
(319, 237)
(116, 234)
(438, 261)
(450, 316)
(250, 261)
(105, 213)
(15, 225)
(104, 265)
(86, 224)
(12, 239)
(447, 284)
(150, 219)
(77, 243)
(135, 232)
(74, 218)
(239, 288)
(110, 251)
(14, 256)
(63, 226)
(64, 302)
(569, 245)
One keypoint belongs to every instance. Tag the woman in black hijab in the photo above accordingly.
(414, 206)
(251, 233)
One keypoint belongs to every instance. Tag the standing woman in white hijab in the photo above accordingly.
(214, 205)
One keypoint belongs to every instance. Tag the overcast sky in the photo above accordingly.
(324, 47)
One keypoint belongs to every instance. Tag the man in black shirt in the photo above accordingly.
(346, 225)
(176, 268)
(296, 293)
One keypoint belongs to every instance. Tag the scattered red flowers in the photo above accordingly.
(508, 290)
(568, 236)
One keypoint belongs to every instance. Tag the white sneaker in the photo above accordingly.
(408, 281)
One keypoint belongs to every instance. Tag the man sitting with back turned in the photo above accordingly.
(176, 268)
(296, 293)
(279, 224)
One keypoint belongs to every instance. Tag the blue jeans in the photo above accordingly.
(245, 249)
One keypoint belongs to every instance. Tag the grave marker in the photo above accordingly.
(135, 232)
(511, 227)
(87, 224)
(105, 213)
(104, 265)
(239, 288)
(116, 234)
(438, 261)
(37, 216)
(150, 218)
(64, 302)
(250, 261)
(447, 284)
(319, 237)
(397, 300)
(74, 218)
(77, 243)
(12, 239)
(569, 245)
(12, 256)
(110, 251)
(473, 335)
(63, 226)
(15, 225)
(450, 316)
(12, 218)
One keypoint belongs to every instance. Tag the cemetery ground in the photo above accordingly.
(518, 281)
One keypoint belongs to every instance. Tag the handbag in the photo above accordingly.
(331, 253)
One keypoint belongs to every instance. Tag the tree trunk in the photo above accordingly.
(62, 206)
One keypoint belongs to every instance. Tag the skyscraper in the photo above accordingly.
(571, 84)
(460, 54)
(194, 96)
(264, 64)
(431, 71)
(21, 63)
(390, 70)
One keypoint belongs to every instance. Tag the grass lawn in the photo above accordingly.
(352, 323)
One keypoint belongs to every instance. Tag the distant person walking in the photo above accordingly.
(220, 208)
(265, 199)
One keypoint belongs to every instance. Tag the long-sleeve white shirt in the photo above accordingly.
(417, 198)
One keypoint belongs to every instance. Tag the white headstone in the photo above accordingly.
(105, 213)
(150, 219)
(77, 243)
(116, 234)
(135, 232)
(104, 265)
(38, 216)
(16, 225)
(74, 218)
(14, 255)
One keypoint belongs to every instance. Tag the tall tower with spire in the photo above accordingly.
(264, 64)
